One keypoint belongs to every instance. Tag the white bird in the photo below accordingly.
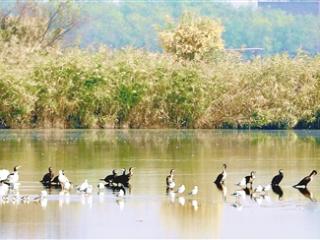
(181, 189)
(64, 181)
(83, 187)
(88, 189)
(13, 177)
(4, 173)
(67, 186)
(194, 191)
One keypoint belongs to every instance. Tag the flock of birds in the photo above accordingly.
(9, 184)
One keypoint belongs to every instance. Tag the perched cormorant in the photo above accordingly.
(110, 178)
(248, 179)
(222, 176)
(124, 178)
(305, 181)
(277, 179)
(170, 180)
(48, 177)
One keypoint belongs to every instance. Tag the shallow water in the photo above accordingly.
(147, 211)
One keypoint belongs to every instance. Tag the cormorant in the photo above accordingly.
(48, 177)
(170, 180)
(222, 176)
(277, 179)
(305, 181)
(110, 178)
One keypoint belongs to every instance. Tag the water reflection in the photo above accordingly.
(305, 192)
(278, 191)
(212, 213)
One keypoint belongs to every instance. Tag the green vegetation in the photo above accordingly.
(45, 86)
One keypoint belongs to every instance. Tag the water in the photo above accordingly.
(146, 211)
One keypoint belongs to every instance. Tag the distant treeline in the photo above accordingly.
(119, 24)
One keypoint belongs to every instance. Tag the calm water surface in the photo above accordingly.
(147, 211)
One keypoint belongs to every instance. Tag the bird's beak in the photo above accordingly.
(17, 167)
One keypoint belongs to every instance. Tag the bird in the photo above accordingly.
(306, 180)
(48, 177)
(14, 176)
(181, 189)
(124, 178)
(170, 180)
(4, 173)
(194, 191)
(83, 187)
(88, 189)
(277, 179)
(64, 181)
(222, 176)
(110, 178)
(248, 179)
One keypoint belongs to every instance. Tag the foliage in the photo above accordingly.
(193, 38)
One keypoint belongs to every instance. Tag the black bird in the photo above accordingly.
(277, 190)
(247, 179)
(170, 180)
(48, 177)
(277, 179)
(110, 178)
(124, 178)
(305, 181)
(222, 176)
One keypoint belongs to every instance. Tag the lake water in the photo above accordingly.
(147, 211)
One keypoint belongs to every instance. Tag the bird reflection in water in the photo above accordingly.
(305, 192)
(221, 187)
(278, 191)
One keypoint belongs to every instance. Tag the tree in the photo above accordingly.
(193, 38)
(37, 25)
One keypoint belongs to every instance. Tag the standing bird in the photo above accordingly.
(222, 176)
(48, 177)
(170, 180)
(194, 191)
(277, 179)
(181, 189)
(83, 187)
(124, 178)
(64, 181)
(248, 179)
(13, 178)
(305, 181)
